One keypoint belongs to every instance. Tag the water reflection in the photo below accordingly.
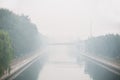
(62, 66)
(32, 72)
(99, 73)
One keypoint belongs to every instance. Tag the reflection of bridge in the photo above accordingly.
(61, 62)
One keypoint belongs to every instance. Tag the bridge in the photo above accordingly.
(63, 43)
(18, 68)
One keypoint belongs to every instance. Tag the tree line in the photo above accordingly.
(18, 37)
(107, 45)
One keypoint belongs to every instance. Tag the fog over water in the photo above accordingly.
(62, 66)
(68, 21)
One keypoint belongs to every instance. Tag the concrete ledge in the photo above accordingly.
(18, 68)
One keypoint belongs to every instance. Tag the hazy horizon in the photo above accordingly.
(69, 19)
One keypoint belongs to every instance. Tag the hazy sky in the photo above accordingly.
(69, 18)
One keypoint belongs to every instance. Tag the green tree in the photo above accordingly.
(23, 33)
(107, 45)
(6, 52)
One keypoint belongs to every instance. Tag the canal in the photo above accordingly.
(62, 64)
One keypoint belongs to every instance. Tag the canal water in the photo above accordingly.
(63, 64)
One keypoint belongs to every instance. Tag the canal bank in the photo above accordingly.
(62, 66)
(32, 72)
